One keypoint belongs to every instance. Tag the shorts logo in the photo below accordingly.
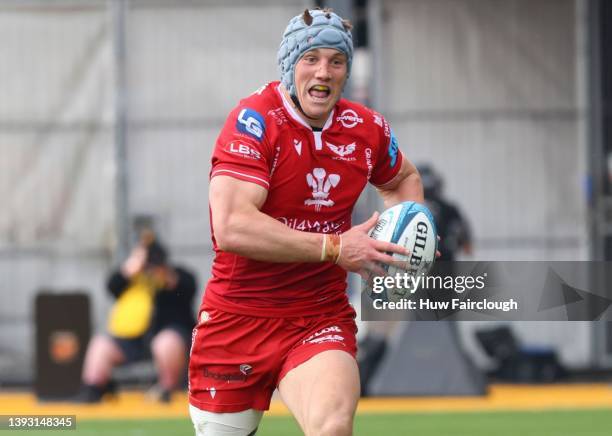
(194, 335)
(251, 122)
(244, 150)
(204, 316)
(230, 377)
(349, 118)
(325, 335)
(327, 338)
(321, 183)
(246, 369)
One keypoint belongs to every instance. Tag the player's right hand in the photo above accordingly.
(362, 254)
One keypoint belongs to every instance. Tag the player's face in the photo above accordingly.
(319, 78)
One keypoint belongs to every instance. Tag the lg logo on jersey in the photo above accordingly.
(321, 183)
(251, 123)
(243, 150)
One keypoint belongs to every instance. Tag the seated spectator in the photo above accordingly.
(153, 313)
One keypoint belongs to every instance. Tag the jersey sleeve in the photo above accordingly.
(388, 158)
(242, 149)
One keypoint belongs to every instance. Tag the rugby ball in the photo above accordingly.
(410, 225)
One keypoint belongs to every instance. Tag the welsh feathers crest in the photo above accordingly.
(321, 183)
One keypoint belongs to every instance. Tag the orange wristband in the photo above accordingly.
(331, 248)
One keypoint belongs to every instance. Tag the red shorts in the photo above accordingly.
(237, 361)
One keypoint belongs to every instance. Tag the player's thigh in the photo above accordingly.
(235, 362)
(243, 423)
(323, 390)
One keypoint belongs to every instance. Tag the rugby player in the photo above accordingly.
(287, 170)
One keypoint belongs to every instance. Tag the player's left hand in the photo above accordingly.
(362, 254)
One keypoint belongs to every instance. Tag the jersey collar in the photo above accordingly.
(293, 113)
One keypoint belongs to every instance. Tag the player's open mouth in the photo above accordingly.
(319, 92)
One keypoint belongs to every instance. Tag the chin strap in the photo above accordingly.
(296, 102)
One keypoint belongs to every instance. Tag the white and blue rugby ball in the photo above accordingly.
(410, 225)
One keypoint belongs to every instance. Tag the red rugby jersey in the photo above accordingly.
(313, 180)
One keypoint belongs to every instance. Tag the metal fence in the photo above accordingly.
(494, 94)
(109, 110)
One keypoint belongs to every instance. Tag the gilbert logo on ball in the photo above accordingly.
(410, 225)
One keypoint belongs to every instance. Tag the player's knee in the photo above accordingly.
(335, 424)
(225, 424)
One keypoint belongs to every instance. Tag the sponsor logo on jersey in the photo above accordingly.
(275, 161)
(378, 119)
(243, 150)
(349, 118)
(342, 150)
(306, 225)
(393, 150)
(368, 156)
(386, 128)
(251, 122)
(325, 335)
(321, 183)
(298, 146)
(278, 115)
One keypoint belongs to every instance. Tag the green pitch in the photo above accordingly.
(561, 423)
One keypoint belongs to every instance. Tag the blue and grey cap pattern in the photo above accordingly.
(312, 29)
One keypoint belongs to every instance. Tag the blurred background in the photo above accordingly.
(109, 111)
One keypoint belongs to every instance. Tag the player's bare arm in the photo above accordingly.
(240, 227)
(405, 186)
